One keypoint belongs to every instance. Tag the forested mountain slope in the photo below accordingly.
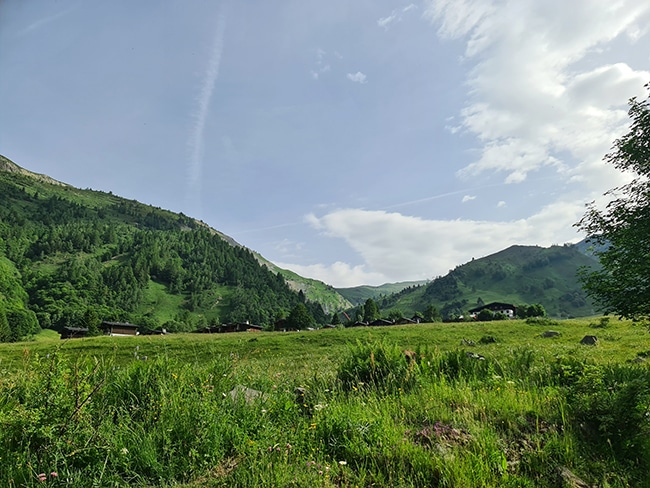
(70, 256)
(518, 275)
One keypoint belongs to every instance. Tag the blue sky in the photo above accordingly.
(355, 142)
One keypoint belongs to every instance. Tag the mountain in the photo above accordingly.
(359, 294)
(70, 256)
(518, 275)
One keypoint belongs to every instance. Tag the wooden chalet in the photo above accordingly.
(381, 323)
(231, 327)
(405, 321)
(119, 329)
(358, 323)
(74, 332)
(507, 309)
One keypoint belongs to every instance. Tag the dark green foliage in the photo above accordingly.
(485, 315)
(370, 311)
(395, 314)
(431, 314)
(69, 251)
(621, 231)
(5, 330)
(535, 310)
(299, 318)
(336, 320)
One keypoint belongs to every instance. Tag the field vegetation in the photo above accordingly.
(458, 405)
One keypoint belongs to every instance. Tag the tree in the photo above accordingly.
(621, 232)
(336, 320)
(370, 310)
(431, 314)
(5, 331)
(395, 314)
(300, 318)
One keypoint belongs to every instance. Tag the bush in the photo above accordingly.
(610, 406)
(377, 365)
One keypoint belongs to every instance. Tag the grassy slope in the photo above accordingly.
(316, 350)
(359, 294)
(518, 275)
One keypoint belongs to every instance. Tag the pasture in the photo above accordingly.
(473, 404)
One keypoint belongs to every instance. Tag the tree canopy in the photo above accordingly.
(622, 230)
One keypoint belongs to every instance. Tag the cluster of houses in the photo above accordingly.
(108, 328)
(126, 329)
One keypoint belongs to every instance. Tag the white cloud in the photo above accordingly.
(322, 66)
(396, 247)
(469, 198)
(385, 21)
(538, 94)
(501, 204)
(395, 16)
(357, 77)
(338, 274)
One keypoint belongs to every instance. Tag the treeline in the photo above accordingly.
(69, 257)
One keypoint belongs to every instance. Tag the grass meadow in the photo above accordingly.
(468, 405)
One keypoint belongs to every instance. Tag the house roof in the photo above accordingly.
(494, 306)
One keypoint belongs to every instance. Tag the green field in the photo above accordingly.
(522, 410)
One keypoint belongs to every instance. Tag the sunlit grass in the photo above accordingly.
(158, 410)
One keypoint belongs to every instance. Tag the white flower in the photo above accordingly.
(343, 463)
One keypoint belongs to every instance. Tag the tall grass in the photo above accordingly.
(377, 416)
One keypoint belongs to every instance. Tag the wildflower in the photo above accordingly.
(312, 426)
(42, 477)
(124, 451)
(343, 463)
(288, 446)
(54, 474)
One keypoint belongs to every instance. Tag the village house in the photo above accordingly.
(119, 329)
(506, 309)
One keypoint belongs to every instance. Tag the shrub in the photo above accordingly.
(377, 365)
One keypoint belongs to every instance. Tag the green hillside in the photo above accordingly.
(518, 275)
(359, 294)
(329, 297)
(69, 257)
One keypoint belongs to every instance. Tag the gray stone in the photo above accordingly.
(247, 394)
(589, 340)
(551, 333)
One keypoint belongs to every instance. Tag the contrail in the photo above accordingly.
(196, 138)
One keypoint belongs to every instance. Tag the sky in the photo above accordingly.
(351, 141)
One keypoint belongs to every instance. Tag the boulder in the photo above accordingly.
(589, 340)
(551, 333)
(247, 394)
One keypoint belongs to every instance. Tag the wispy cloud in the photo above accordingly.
(395, 16)
(322, 65)
(196, 141)
(46, 20)
(357, 77)
(468, 198)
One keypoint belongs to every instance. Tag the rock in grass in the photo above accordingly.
(247, 394)
(551, 333)
(570, 480)
(589, 340)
